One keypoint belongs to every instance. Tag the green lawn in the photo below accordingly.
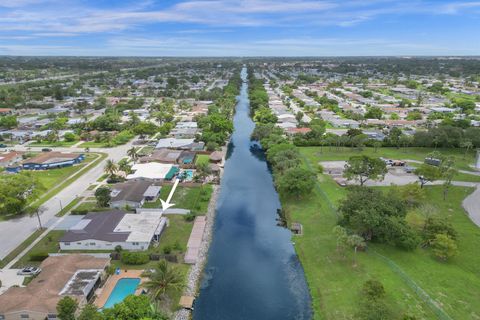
(53, 177)
(202, 158)
(53, 144)
(49, 244)
(315, 154)
(195, 199)
(93, 144)
(335, 284)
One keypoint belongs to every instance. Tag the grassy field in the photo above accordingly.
(202, 158)
(315, 154)
(195, 199)
(335, 284)
(49, 244)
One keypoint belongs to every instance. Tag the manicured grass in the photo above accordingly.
(55, 181)
(49, 244)
(335, 285)
(195, 199)
(455, 285)
(20, 248)
(202, 158)
(93, 144)
(177, 233)
(316, 154)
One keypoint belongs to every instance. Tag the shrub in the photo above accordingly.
(79, 211)
(134, 258)
(189, 217)
(167, 249)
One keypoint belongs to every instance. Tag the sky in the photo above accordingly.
(239, 27)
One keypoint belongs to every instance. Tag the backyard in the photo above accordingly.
(195, 199)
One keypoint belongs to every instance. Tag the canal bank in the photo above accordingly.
(252, 271)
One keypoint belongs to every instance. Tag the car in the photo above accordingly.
(2, 145)
(46, 150)
(409, 169)
(29, 271)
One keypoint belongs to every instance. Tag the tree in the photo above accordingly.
(373, 289)
(377, 216)
(299, 116)
(374, 113)
(264, 115)
(103, 196)
(133, 308)
(444, 247)
(90, 312)
(66, 308)
(8, 122)
(433, 226)
(447, 172)
(356, 242)
(296, 182)
(17, 191)
(427, 173)
(363, 168)
(145, 128)
(342, 236)
(162, 279)
(133, 154)
(111, 167)
(69, 137)
(467, 145)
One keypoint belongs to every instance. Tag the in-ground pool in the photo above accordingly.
(188, 174)
(123, 288)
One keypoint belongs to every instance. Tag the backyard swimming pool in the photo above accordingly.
(123, 288)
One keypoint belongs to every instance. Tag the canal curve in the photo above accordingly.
(253, 272)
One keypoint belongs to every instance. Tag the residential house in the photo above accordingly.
(133, 194)
(107, 230)
(52, 160)
(76, 276)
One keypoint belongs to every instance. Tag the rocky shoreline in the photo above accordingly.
(197, 269)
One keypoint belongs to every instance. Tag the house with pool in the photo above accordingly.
(107, 230)
(77, 276)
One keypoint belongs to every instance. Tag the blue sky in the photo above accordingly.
(239, 27)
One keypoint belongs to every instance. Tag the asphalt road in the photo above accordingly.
(13, 232)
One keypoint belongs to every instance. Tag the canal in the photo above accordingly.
(253, 272)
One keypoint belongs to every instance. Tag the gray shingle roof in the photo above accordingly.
(100, 226)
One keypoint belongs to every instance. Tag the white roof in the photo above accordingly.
(174, 143)
(142, 226)
(152, 170)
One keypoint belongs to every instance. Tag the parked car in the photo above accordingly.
(46, 150)
(409, 169)
(2, 145)
(29, 271)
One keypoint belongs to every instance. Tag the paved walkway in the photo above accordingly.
(471, 204)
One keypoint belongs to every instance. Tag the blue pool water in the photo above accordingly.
(123, 288)
(189, 175)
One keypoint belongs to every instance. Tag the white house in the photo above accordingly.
(107, 230)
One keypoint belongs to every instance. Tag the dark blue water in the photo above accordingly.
(252, 271)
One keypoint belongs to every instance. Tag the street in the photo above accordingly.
(14, 231)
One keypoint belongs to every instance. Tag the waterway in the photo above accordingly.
(253, 272)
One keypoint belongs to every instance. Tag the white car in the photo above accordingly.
(29, 271)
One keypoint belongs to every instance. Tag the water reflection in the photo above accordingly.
(253, 271)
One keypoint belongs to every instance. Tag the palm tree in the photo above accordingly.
(467, 145)
(133, 154)
(111, 167)
(161, 279)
